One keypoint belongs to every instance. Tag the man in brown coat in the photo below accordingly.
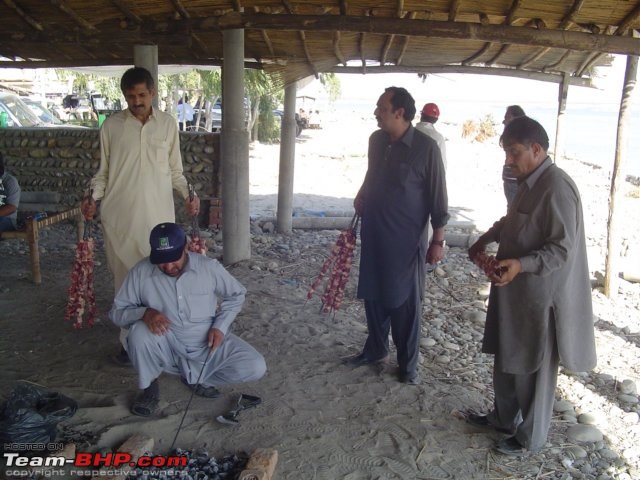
(540, 302)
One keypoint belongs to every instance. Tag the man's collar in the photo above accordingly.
(537, 173)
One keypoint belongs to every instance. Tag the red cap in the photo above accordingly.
(431, 110)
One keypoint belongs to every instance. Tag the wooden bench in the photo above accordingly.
(30, 233)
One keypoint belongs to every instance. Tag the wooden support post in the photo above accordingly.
(611, 281)
(563, 91)
(34, 252)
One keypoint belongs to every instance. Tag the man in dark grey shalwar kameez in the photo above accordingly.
(403, 189)
(540, 304)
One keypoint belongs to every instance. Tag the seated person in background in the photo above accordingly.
(169, 303)
(9, 199)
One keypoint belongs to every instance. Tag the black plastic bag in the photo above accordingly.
(31, 413)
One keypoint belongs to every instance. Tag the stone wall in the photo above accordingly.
(63, 160)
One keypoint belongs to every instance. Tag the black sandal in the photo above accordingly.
(201, 390)
(146, 402)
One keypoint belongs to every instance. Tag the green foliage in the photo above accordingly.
(85, 83)
(331, 84)
(268, 123)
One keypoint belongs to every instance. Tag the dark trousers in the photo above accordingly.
(524, 402)
(404, 322)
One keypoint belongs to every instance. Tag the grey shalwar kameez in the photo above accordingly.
(544, 316)
(190, 302)
(404, 187)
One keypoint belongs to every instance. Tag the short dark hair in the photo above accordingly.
(515, 111)
(134, 76)
(428, 118)
(402, 99)
(1, 164)
(526, 131)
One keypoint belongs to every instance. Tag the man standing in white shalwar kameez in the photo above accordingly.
(140, 166)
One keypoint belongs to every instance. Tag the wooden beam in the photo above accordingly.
(126, 11)
(629, 20)
(361, 41)
(502, 72)
(406, 39)
(22, 14)
(556, 66)
(337, 50)
(267, 40)
(62, 5)
(426, 28)
(119, 61)
(568, 18)
(303, 38)
(385, 49)
(493, 59)
(511, 15)
(343, 7)
(534, 57)
(588, 62)
(178, 7)
(478, 54)
(453, 10)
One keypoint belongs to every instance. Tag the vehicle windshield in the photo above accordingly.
(42, 113)
(18, 112)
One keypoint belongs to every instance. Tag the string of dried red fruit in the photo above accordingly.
(81, 304)
(196, 243)
(338, 265)
(488, 264)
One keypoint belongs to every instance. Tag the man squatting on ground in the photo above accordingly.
(169, 303)
(403, 188)
(539, 310)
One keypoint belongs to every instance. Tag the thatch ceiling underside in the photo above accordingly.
(294, 39)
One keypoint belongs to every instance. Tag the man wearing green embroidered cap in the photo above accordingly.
(179, 307)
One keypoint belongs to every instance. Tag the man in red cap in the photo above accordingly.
(428, 117)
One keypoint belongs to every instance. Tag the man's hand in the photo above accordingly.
(88, 207)
(156, 321)
(215, 338)
(192, 206)
(358, 204)
(435, 253)
(510, 268)
(475, 249)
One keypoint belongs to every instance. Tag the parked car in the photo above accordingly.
(216, 113)
(19, 114)
(301, 123)
(44, 114)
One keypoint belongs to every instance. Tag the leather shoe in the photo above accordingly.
(410, 379)
(362, 359)
(482, 421)
(510, 446)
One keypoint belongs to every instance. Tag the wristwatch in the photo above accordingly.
(442, 243)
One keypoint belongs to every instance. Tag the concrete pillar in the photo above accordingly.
(147, 56)
(235, 152)
(287, 160)
(563, 91)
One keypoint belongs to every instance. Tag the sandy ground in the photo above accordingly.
(326, 420)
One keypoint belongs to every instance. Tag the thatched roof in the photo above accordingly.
(299, 38)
